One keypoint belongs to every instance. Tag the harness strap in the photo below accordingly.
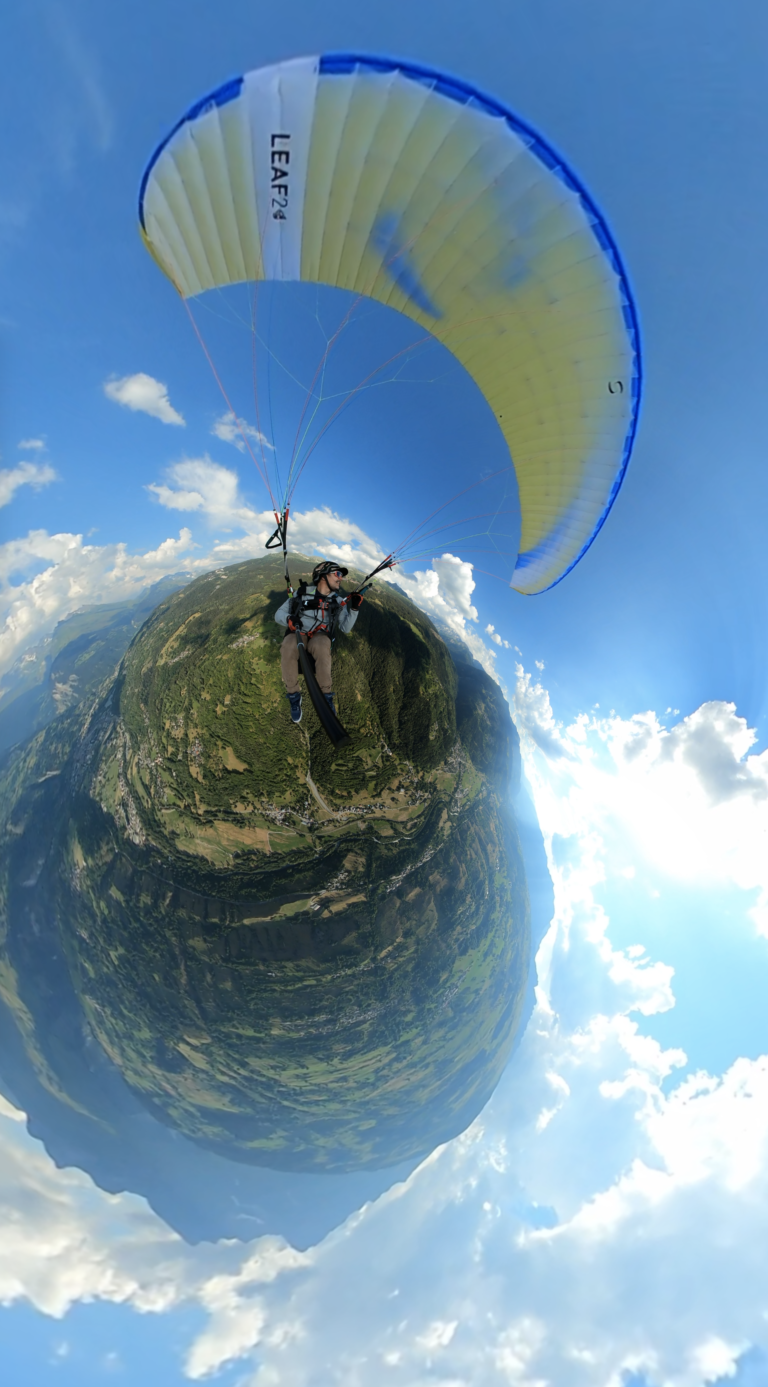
(317, 601)
(279, 539)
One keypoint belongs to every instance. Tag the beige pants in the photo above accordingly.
(319, 648)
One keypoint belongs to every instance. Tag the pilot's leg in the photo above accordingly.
(289, 663)
(320, 649)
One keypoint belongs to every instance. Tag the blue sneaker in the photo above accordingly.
(295, 702)
(329, 699)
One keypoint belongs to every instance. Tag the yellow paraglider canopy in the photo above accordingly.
(401, 184)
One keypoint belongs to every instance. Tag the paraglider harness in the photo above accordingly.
(307, 597)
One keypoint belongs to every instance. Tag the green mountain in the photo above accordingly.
(70, 664)
(297, 958)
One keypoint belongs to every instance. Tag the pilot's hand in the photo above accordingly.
(355, 600)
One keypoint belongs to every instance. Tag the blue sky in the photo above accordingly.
(668, 144)
(95, 1345)
(650, 791)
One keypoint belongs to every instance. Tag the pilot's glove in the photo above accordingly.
(355, 600)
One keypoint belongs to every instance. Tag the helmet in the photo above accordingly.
(320, 569)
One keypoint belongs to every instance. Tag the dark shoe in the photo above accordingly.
(295, 702)
(329, 699)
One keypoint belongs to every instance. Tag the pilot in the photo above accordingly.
(319, 611)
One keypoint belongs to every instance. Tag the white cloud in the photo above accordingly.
(31, 474)
(145, 394)
(437, 1335)
(655, 1263)
(690, 800)
(658, 1193)
(491, 631)
(660, 1269)
(456, 584)
(324, 532)
(213, 491)
(516, 1346)
(198, 484)
(534, 717)
(443, 591)
(230, 429)
(65, 1241)
(8, 1112)
(32, 444)
(715, 1359)
(650, 1258)
(72, 574)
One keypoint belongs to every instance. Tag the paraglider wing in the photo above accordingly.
(399, 183)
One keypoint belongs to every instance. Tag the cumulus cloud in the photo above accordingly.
(32, 445)
(535, 719)
(690, 800)
(444, 590)
(213, 491)
(491, 631)
(595, 1222)
(198, 484)
(601, 1220)
(447, 1272)
(31, 474)
(65, 1241)
(69, 574)
(648, 1261)
(45, 577)
(660, 1270)
(231, 429)
(144, 394)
